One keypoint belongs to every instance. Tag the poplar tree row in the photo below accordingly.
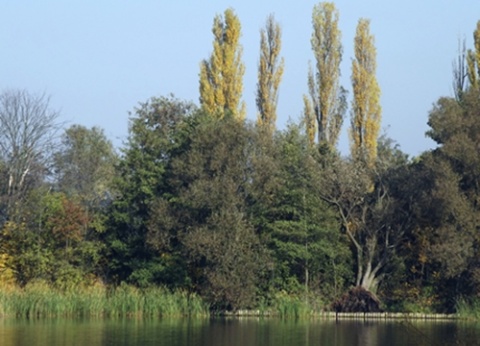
(326, 105)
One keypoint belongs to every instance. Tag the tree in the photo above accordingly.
(304, 234)
(221, 76)
(51, 240)
(371, 214)
(270, 71)
(156, 137)
(84, 165)
(454, 126)
(366, 110)
(473, 59)
(327, 103)
(27, 131)
(206, 213)
(443, 242)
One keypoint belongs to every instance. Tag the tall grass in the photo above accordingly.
(41, 300)
(468, 309)
(290, 306)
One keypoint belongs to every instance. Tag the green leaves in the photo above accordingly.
(302, 231)
(158, 133)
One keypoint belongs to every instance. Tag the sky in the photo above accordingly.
(99, 59)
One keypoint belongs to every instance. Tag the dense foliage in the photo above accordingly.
(241, 215)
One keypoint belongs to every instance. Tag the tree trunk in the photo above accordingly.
(369, 280)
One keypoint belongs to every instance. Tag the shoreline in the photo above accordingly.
(366, 316)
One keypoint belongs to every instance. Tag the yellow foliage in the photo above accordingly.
(471, 65)
(270, 71)
(324, 85)
(473, 59)
(221, 84)
(476, 38)
(7, 277)
(366, 116)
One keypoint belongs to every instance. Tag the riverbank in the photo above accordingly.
(39, 300)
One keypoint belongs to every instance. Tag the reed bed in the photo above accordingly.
(287, 306)
(41, 300)
(468, 309)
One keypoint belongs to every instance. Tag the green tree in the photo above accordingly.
(455, 172)
(207, 212)
(327, 103)
(84, 164)
(156, 137)
(366, 110)
(270, 71)
(221, 76)
(304, 234)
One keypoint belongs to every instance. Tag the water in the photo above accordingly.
(233, 332)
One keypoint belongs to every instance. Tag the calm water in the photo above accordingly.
(231, 332)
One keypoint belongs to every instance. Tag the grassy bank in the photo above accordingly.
(468, 309)
(41, 300)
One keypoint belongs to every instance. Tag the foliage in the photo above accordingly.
(204, 211)
(270, 71)
(221, 76)
(366, 109)
(372, 213)
(473, 60)
(157, 135)
(53, 242)
(208, 213)
(303, 233)
(445, 241)
(84, 165)
(326, 107)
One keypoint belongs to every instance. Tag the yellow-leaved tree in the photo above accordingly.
(270, 71)
(325, 108)
(473, 59)
(221, 76)
(366, 109)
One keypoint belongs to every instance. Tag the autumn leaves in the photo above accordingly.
(221, 80)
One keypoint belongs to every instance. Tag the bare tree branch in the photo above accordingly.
(28, 129)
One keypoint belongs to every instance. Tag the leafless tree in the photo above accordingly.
(28, 127)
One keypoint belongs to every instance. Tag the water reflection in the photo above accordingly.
(217, 332)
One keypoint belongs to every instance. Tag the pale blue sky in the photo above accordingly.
(99, 59)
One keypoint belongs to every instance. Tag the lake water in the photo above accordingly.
(233, 332)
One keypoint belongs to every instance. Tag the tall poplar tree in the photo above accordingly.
(270, 71)
(327, 103)
(221, 76)
(366, 110)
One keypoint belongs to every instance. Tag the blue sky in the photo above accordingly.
(99, 59)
